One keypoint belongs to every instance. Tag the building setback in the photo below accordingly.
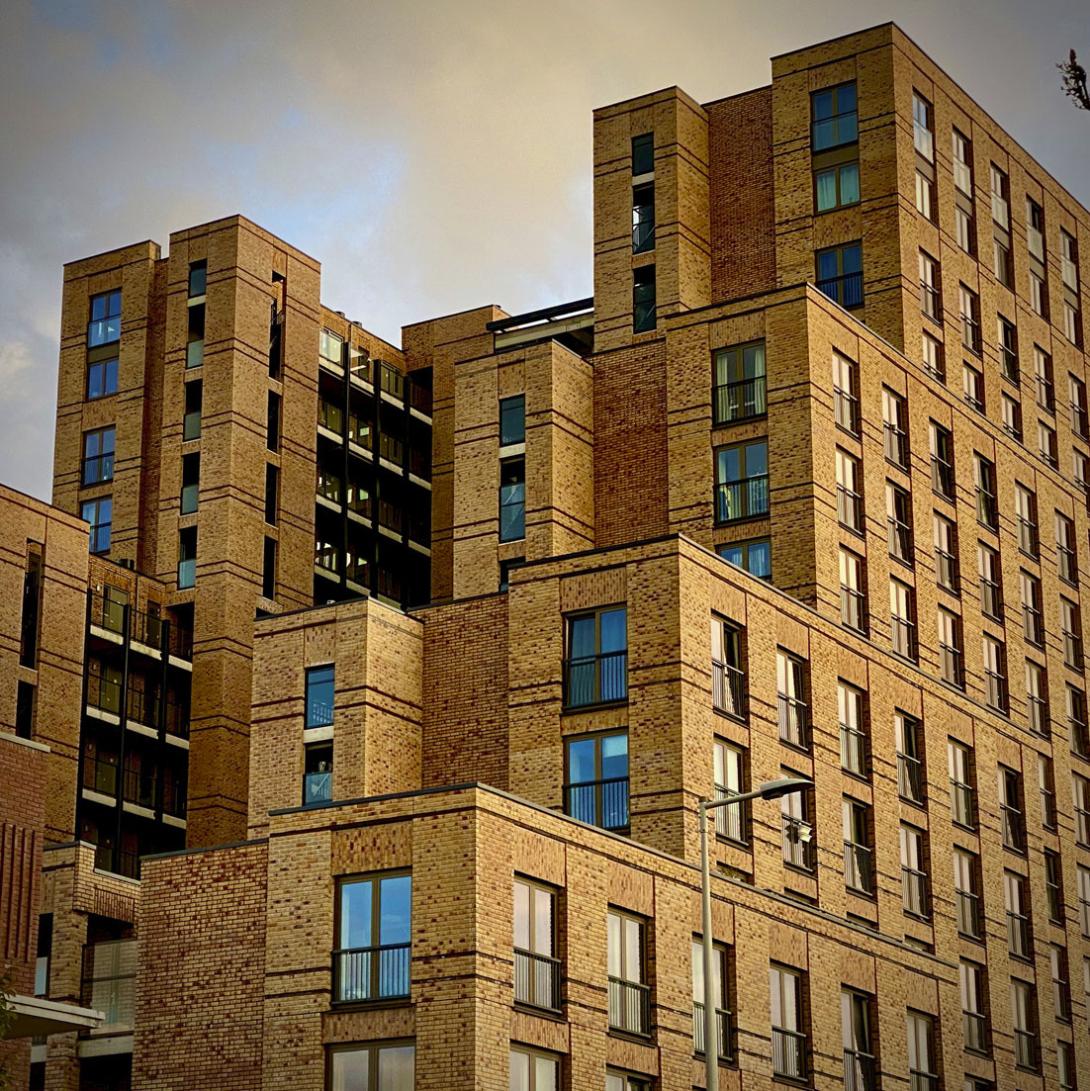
(477, 621)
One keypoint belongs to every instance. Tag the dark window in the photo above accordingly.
(643, 153)
(374, 933)
(840, 274)
(98, 456)
(187, 558)
(942, 461)
(319, 696)
(505, 570)
(643, 218)
(268, 569)
(32, 605)
(317, 773)
(995, 673)
(191, 425)
(512, 420)
(104, 326)
(512, 499)
(101, 378)
(858, 847)
(741, 481)
(191, 481)
(643, 299)
(987, 505)
(969, 303)
(596, 788)
(198, 275)
(1054, 886)
(754, 556)
(1008, 350)
(834, 121)
(24, 710)
(272, 481)
(1012, 809)
(959, 759)
(99, 513)
(272, 440)
(911, 779)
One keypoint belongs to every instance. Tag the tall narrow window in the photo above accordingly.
(1024, 1017)
(1037, 717)
(317, 773)
(512, 499)
(272, 481)
(191, 425)
(950, 650)
(987, 504)
(512, 420)
(914, 884)
(908, 738)
(729, 772)
(851, 714)
(962, 780)
(1054, 887)
(849, 495)
(902, 618)
(846, 393)
(991, 590)
(1012, 809)
(1046, 784)
(1032, 612)
(99, 514)
(596, 791)
(899, 523)
(942, 460)
(858, 848)
(967, 894)
(374, 934)
(1066, 550)
(922, 1056)
(629, 993)
(1061, 985)
(1071, 631)
(740, 384)
(923, 126)
(798, 831)
(1077, 722)
(974, 992)
(191, 483)
(969, 303)
(1080, 415)
(643, 218)
(963, 162)
(944, 537)
(537, 970)
(104, 326)
(272, 433)
(1043, 375)
(30, 621)
(792, 698)
(98, 456)
(728, 669)
(643, 299)
(320, 692)
(895, 428)
(597, 662)
(1007, 336)
(860, 1072)
(790, 1046)
(720, 988)
(1080, 795)
(930, 287)
(741, 481)
(933, 356)
(268, 568)
(853, 601)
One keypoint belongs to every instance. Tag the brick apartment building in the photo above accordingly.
(379, 716)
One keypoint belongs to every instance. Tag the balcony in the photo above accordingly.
(738, 401)
(788, 1054)
(109, 985)
(119, 862)
(601, 803)
(629, 1006)
(537, 980)
(104, 694)
(729, 689)
(362, 974)
(724, 1032)
(596, 680)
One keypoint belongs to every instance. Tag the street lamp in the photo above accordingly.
(772, 789)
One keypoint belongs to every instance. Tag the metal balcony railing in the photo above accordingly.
(1014, 827)
(537, 980)
(728, 689)
(847, 290)
(744, 499)
(860, 1071)
(910, 782)
(798, 845)
(100, 775)
(969, 913)
(596, 679)
(599, 802)
(724, 1032)
(629, 1006)
(859, 867)
(371, 973)
(895, 442)
(794, 720)
(788, 1053)
(914, 892)
(741, 400)
(730, 822)
(104, 693)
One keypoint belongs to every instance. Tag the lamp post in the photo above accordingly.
(772, 789)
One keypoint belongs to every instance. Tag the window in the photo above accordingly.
(1032, 617)
(1025, 508)
(317, 774)
(268, 568)
(1072, 323)
(1061, 986)
(319, 696)
(1066, 551)
(967, 895)
(191, 425)
(104, 326)
(1037, 699)
(629, 993)
(836, 186)
(512, 420)
(1024, 1016)
(728, 763)
(1046, 782)
(98, 456)
(1071, 629)
(198, 278)
(991, 588)
(899, 518)
(1083, 874)
(537, 969)
(272, 422)
(24, 709)
(789, 1041)
(191, 479)
(922, 1066)
(1000, 197)
(925, 194)
(1076, 718)
(858, 848)
(1001, 258)
(99, 513)
(942, 460)
(1080, 471)
(597, 664)
(923, 126)
(846, 393)
(101, 378)
(272, 477)
(533, 1070)
(643, 299)
(1080, 420)
(1042, 371)
(895, 428)
(963, 162)
(1035, 228)
(1054, 886)
(944, 536)
(914, 890)
(791, 699)
(728, 669)
(723, 1023)
(741, 481)
(834, 122)
(987, 508)
(505, 570)
(902, 618)
(373, 1068)
(643, 218)
(849, 497)
(851, 715)
(969, 303)
(932, 356)
(908, 734)
(624, 1081)
(798, 831)
(1069, 260)
(596, 791)
(374, 933)
(840, 274)
(950, 649)
(1065, 1066)
(740, 384)
(860, 1073)
(1080, 795)
(853, 602)
(973, 994)
(930, 291)
(972, 386)
(1012, 809)
(512, 499)
(1046, 444)
(754, 556)
(643, 154)
(1038, 293)
(194, 348)
(1011, 413)
(964, 227)
(959, 760)
(1008, 350)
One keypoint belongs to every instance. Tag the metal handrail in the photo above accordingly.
(728, 689)
(595, 679)
(537, 979)
(379, 972)
(599, 802)
(794, 720)
(629, 1006)
(739, 400)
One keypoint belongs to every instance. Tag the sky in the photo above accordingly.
(433, 156)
